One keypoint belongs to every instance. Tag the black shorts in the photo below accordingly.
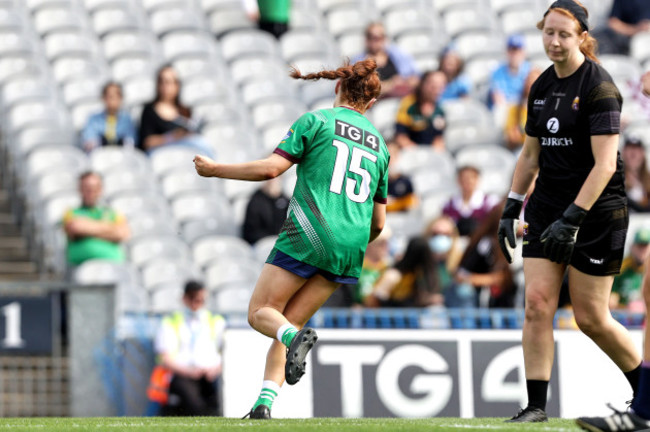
(600, 244)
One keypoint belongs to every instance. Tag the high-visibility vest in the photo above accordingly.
(158, 390)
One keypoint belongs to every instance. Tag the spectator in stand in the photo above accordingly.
(271, 15)
(507, 81)
(265, 212)
(166, 121)
(485, 268)
(458, 84)
(93, 231)
(397, 70)
(626, 290)
(376, 261)
(472, 205)
(420, 118)
(401, 196)
(111, 127)
(626, 19)
(637, 177)
(447, 250)
(188, 344)
(411, 282)
(516, 117)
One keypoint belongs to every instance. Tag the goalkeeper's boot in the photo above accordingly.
(296, 354)
(529, 415)
(261, 412)
(619, 421)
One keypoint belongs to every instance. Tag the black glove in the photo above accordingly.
(508, 226)
(560, 237)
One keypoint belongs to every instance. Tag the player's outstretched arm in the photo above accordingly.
(259, 170)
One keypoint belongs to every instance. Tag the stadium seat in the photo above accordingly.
(132, 203)
(640, 47)
(347, 19)
(273, 134)
(24, 89)
(384, 6)
(116, 19)
(199, 205)
(418, 158)
(400, 21)
(422, 43)
(67, 69)
(466, 110)
(178, 183)
(174, 19)
(205, 88)
(304, 19)
(317, 91)
(144, 224)
(70, 43)
(326, 5)
(11, 20)
(128, 43)
(94, 6)
(222, 272)
(189, 43)
(232, 299)
(37, 114)
(457, 137)
(168, 159)
(297, 43)
(124, 180)
(23, 142)
(107, 159)
(234, 189)
(519, 20)
(190, 66)
(444, 6)
(41, 161)
(248, 68)
(221, 22)
(622, 68)
(17, 65)
(264, 90)
(151, 6)
(42, 188)
(277, 110)
(480, 44)
(17, 43)
(124, 68)
(83, 89)
(432, 204)
(55, 19)
(212, 248)
(209, 6)
(138, 90)
(486, 157)
(146, 249)
(500, 6)
(167, 297)
(480, 69)
(351, 43)
(467, 19)
(161, 271)
(50, 213)
(426, 181)
(384, 115)
(262, 248)
(405, 224)
(194, 230)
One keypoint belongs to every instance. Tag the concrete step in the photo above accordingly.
(17, 268)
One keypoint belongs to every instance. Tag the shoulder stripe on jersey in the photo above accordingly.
(380, 200)
(286, 155)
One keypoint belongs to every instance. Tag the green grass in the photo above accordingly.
(159, 424)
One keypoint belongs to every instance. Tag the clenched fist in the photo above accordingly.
(204, 166)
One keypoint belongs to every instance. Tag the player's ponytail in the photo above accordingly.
(359, 82)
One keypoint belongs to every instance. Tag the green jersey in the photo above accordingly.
(342, 170)
(86, 248)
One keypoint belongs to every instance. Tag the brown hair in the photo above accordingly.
(182, 109)
(359, 82)
(590, 46)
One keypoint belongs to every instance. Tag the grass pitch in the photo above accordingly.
(160, 424)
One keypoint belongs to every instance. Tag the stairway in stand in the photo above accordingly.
(15, 262)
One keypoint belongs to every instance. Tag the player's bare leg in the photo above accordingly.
(590, 301)
(543, 283)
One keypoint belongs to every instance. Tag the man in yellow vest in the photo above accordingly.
(188, 345)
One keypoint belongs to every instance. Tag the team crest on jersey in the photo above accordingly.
(525, 228)
(288, 135)
(575, 106)
(553, 125)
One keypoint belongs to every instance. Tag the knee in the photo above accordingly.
(539, 307)
(589, 322)
(252, 311)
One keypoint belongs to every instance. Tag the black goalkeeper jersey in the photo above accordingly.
(563, 113)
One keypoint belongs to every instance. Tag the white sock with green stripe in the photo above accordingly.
(270, 390)
(286, 333)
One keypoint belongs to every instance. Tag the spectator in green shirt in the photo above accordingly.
(93, 231)
(627, 285)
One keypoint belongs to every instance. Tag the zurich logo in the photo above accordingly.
(553, 125)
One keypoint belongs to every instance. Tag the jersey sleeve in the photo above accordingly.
(298, 137)
(531, 116)
(603, 108)
(381, 195)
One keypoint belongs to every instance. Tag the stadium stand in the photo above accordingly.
(54, 57)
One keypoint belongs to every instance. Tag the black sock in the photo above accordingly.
(537, 393)
(633, 378)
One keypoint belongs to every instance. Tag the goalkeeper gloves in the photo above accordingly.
(508, 226)
(560, 237)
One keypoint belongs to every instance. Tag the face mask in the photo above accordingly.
(440, 243)
(190, 313)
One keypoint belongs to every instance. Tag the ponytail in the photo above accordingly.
(359, 82)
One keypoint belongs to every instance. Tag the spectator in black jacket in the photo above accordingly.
(266, 212)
